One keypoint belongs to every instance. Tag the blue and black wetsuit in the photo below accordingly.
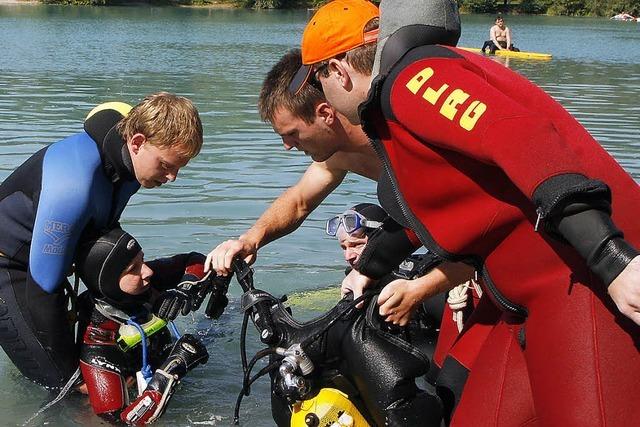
(62, 194)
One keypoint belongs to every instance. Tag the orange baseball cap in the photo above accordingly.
(337, 27)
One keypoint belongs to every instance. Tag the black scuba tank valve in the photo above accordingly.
(295, 360)
(297, 357)
(292, 385)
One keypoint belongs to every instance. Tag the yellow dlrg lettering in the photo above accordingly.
(419, 80)
(449, 107)
(470, 117)
(432, 96)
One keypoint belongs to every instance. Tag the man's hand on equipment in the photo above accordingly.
(355, 283)
(220, 258)
(398, 300)
(625, 290)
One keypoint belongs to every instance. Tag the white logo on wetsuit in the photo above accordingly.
(99, 361)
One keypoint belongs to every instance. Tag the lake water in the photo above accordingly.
(56, 63)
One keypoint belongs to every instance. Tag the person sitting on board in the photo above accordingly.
(119, 329)
(624, 16)
(499, 38)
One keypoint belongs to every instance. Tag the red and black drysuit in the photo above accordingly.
(476, 155)
(105, 366)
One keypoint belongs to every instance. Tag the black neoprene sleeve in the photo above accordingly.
(596, 238)
(577, 210)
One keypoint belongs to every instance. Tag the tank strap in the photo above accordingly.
(253, 297)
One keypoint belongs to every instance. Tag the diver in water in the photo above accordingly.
(434, 325)
(362, 364)
(119, 328)
(355, 352)
(352, 229)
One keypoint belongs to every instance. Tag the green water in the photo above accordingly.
(56, 63)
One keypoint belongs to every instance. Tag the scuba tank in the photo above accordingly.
(371, 372)
(330, 407)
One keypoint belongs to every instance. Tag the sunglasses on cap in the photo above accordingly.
(352, 221)
(307, 74)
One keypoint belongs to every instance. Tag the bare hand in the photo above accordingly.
(355, 283)
(219, 259)
(399, 300)
(625, 290)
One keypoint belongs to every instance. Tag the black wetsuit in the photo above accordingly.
(64, 192)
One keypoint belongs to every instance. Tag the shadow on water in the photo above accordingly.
(56, 63)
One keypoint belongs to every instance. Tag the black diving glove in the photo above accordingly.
(188, 295)
(187, 353)
(218, 300)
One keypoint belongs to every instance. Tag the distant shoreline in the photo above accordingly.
(229, 4)
(199, 6)
(210, 6)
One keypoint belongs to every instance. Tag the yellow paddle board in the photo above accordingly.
(513, 54)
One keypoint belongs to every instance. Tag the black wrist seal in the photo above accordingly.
(596, 238)
(577, 210)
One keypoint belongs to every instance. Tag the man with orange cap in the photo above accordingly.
(542, 212)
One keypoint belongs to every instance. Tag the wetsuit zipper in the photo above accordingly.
(543, 213)
(476, 261)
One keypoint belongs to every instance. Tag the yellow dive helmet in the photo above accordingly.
(120, 107)
(329, 408)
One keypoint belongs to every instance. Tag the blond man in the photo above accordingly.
(65, 193)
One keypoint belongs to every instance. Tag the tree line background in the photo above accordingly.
(553, 7)
(550, 7)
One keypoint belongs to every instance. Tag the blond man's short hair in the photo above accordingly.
(166, 120)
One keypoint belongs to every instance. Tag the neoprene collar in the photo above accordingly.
(116, 160)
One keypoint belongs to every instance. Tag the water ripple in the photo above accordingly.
(59, 62)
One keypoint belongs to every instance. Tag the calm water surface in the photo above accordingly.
(56, 63)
